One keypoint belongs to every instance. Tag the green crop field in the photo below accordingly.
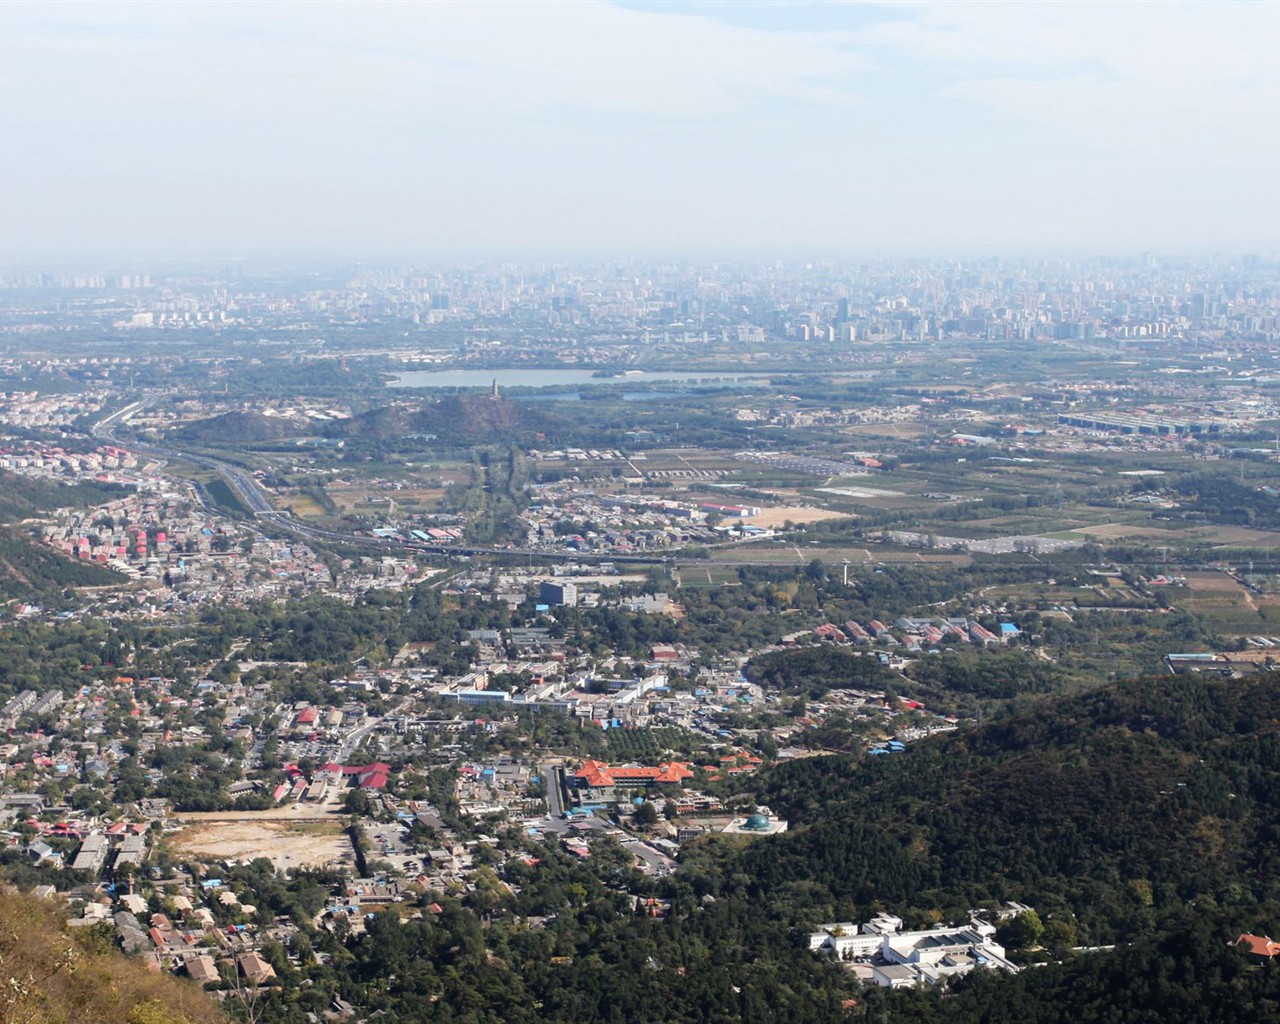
(224, 498)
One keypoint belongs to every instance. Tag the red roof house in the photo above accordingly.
(1260, 948)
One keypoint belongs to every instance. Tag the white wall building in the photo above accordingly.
(897, 958)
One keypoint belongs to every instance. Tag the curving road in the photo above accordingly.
(246, 488)
(254, 498)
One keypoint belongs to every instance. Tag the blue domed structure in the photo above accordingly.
(756, 823)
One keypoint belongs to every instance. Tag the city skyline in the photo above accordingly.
(332, 129)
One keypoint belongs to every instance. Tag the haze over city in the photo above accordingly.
(359, 129)
(639, 513)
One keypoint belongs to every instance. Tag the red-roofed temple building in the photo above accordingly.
(597, 782)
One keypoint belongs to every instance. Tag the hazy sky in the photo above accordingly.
(367, 128)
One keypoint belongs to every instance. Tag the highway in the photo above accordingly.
(242, 484)
(246, 488)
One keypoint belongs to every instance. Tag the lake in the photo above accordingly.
(566, 378)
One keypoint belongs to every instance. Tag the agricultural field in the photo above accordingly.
(782, 553)
(700, 575)
(369, 499)
(1226, 605)
(1128, 531)
(1235, 536)
(647, 746)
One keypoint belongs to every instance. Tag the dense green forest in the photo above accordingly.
(1188, 973)
(1218, 497)
(32, 573)
(1107, 808)
(22, 496)
(37, 575)
(812, 671)
(727, 963)
(986, 674)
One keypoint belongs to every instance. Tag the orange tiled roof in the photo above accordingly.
(598, 773)
(1259, 945)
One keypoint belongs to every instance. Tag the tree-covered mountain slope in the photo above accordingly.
(1108, 805)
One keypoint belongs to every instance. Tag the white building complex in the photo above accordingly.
(880, 952)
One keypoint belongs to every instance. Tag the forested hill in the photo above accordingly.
(1186, 975)
(243, 427)
(21, 496)
(29, 572)
(1111, 807)
(453, 419)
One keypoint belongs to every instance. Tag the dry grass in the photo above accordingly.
(792, 554)
(772, 517)
(1224, 603)
(1214, 583)
(421, 499)
(55, 977)
(1236, 535)
(301, 505)
(1115, 531)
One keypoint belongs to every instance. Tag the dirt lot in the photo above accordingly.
(302, 844)
(417, 498)
(771, 517)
